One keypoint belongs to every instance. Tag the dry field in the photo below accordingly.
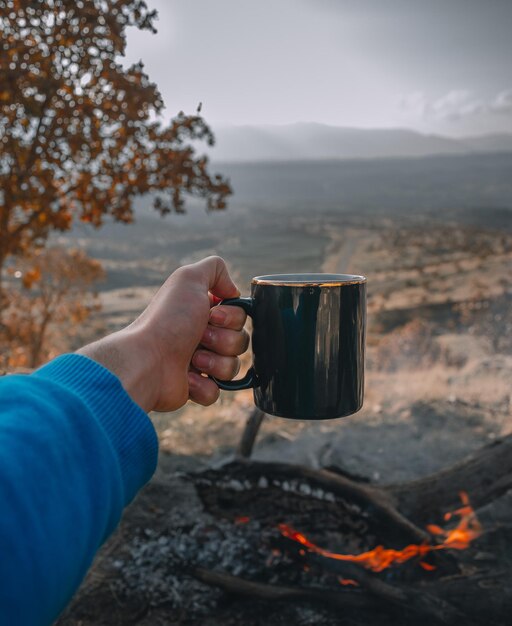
(440, 334)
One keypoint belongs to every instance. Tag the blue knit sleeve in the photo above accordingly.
(74, 450)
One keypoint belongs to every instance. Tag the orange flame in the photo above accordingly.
(380, 558)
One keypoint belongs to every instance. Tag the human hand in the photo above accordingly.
(159, 357)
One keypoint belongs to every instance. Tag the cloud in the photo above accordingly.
(455, 104)
(503, 102)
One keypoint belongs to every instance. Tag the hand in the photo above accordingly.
(159, 357)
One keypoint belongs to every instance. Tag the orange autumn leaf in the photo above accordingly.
(30, 277)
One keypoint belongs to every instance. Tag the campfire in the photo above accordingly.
(312, 545)
(381, 558)
(339, 542)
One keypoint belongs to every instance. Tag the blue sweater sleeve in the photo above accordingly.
(74, 450)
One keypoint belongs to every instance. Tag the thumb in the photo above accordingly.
(217, 278)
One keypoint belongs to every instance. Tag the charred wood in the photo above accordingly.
(249, 434)
(485, 475)
(234, 584)
(418, 601)
(367, 496)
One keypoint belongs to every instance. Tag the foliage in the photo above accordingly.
(50, 299)
(80, 138)
(79, 133)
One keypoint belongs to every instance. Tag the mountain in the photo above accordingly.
(310, 141)
(490, 143)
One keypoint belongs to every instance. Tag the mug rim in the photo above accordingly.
(308, 279)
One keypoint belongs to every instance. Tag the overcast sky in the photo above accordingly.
(441, 66)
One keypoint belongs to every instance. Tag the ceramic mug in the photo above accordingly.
(308, 344)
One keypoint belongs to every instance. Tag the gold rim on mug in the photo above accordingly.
(309, 280)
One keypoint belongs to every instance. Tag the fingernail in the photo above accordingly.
(218, 316)
(202, 361)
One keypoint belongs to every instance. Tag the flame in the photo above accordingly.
(242, 519)
(380, 558)
(347, 581)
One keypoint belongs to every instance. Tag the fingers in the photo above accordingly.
(225, 341)
(202, 390)
(232, 317)
(222, 340)
(222, 367)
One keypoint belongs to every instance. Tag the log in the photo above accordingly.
(484, 475)
(265, 591)
(365, 496)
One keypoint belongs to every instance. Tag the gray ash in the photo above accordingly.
(158, 565)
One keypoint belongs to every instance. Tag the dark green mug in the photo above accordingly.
(308, 344)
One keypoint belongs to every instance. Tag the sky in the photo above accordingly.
(436, 66)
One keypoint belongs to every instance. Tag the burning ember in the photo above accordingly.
(380, 558)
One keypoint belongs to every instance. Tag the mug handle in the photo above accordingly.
(249, 380)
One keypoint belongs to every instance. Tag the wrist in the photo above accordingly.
(127, 356)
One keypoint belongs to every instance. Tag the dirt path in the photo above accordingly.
(340, 251)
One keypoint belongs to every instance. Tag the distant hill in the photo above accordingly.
(433, 183)
(490, 143)
(309, 141)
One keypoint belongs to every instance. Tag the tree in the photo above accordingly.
(46, 311)
(79, 133)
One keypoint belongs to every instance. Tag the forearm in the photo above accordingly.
(74, 450)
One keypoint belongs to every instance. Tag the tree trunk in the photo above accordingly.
(38, 341)
(2, 294)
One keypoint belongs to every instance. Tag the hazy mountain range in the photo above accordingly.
(306, 141)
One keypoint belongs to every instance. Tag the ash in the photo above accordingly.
(158, 565)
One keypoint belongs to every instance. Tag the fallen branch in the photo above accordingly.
(233, 584)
